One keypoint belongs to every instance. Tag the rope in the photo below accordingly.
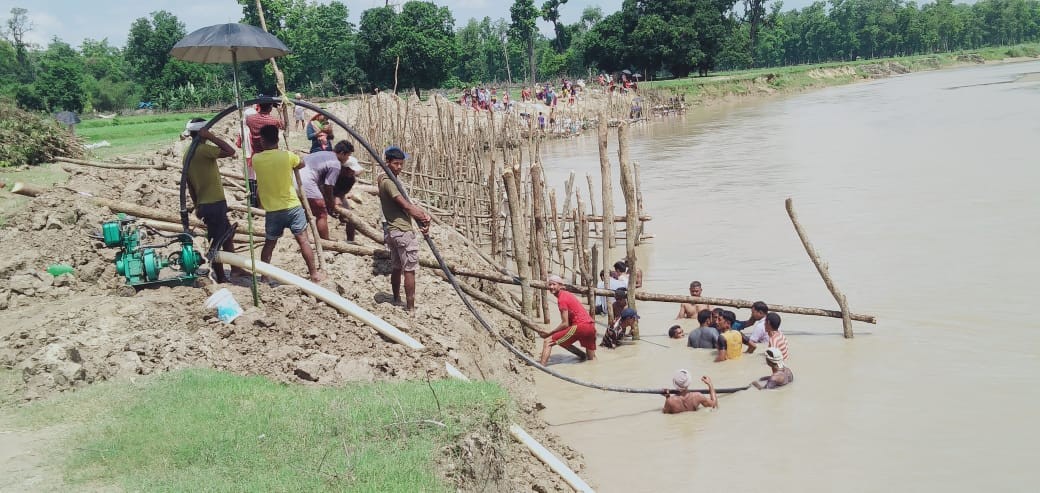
(378, 157)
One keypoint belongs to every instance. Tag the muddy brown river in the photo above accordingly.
(921, 192)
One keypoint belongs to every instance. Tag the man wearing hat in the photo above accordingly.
(319, 175)
(627, 320)
(204, 186)
(399, 234)
(680, 399)
(782, 375)
(575, 323)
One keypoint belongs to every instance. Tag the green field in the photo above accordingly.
(132, 134)
(203, 430)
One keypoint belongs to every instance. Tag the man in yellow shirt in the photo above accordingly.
(730, 342)
(274, 184)
(207, 193)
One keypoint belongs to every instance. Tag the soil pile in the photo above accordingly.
(75, 329)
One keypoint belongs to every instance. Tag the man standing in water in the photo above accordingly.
(757, 322)
(682, 400)
(776, 338)
(575, 323)
(691, 310)
(705, 336)
(782, 375)
(730, 341)
(398, 232)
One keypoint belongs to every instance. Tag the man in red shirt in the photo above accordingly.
(254, 123)
(575, 323)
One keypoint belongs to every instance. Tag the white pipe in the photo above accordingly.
(334, 300)
(549, 459)
(338, 302)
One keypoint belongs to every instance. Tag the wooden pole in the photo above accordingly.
(523, 267)
(606, 189)
(99, 164)
(558, 232)
(639, 203)
(821, 267)
(538, 212)
(310, 220)
(631, 213)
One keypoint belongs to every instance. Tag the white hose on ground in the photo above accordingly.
(338, 302)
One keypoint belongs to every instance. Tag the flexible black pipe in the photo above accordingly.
(378, 157)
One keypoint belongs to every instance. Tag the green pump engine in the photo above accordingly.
(141, 264)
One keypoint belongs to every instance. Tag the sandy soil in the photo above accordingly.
(63, 333)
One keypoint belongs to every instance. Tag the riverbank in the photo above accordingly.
(726, 87)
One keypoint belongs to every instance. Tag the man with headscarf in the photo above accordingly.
(680, 399)
(782, 375)
(206, 190)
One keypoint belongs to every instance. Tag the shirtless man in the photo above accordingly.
(782, 375)
(690, 310)
(681, 399)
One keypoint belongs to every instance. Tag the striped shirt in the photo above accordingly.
(779, 341)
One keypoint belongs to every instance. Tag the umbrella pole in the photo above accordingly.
(245, 173)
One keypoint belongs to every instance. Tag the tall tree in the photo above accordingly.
(523, 29)
(754, 13)
(551, 13)
(17, 27)
(148, 50)
(420, 41)
(60, 81)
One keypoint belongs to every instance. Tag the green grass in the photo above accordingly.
(202, 430)
(130, 134)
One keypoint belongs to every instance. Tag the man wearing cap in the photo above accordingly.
(207, 193)
(782, 375)
(398, 232)
(274, 175)
(730, 341)
(319, 174)
(680, 399)
(705, 336)
(575, 323)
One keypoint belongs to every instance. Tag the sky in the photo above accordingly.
(76, 20)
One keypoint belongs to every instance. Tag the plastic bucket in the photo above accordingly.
(227, 308)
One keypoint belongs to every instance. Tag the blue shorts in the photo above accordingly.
(276, 222)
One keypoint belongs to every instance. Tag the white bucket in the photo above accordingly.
(227, 308)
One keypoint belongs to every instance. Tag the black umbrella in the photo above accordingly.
(230, 43)
(67, 117)
(637, 76)
(626, 72)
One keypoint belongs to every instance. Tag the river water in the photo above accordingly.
(921, 192)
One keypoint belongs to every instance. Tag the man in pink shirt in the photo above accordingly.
(575, 323)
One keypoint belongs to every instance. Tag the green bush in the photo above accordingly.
(28, 138)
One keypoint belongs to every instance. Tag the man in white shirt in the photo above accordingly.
(758, 334)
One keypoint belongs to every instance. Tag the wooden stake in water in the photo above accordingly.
(631, 216)
(821, 267)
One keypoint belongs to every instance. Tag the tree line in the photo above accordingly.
(418, 45)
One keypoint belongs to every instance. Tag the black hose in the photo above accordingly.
(433, 248)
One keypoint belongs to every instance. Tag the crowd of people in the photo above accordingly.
(325, 175)
(718, 331)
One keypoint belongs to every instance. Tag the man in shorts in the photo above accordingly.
(274, 176)
(575, 323)
(207, 193)
(319, 175)
(398, 232)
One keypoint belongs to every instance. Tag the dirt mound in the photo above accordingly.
(72, 330)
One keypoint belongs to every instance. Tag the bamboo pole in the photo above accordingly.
(537, 211)
(821, 267)
(311, 220)
(558, 232)
(639, 202)
(631, 213)
(361, 227)
(100, 164)
(519, 253)
(607, 189)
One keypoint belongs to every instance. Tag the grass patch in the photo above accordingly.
(202, 430)
(131, 134)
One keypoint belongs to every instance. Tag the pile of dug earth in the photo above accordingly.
(75, 329)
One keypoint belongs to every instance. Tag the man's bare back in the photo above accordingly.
(675, 404)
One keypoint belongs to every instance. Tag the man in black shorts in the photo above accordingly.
(207, 192)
